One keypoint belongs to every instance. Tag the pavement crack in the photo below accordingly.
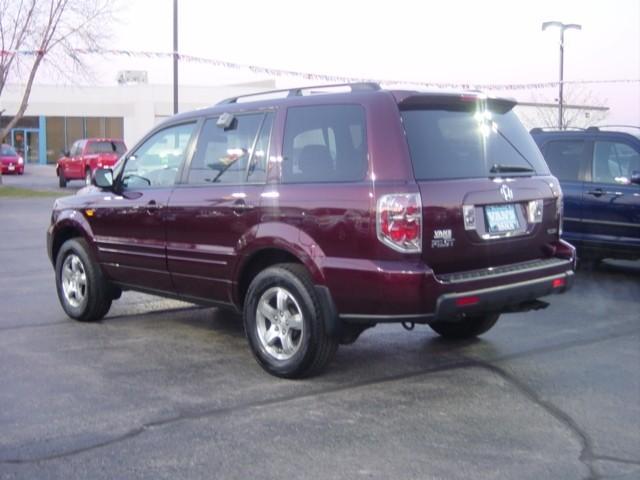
(130, 434)
(608, 458)
(587, 456)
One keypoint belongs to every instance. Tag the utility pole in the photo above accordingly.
(562, 27)
(175, 56)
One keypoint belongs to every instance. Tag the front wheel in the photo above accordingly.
(84, 293)
(467, 327)
(62, 181)
(284, 323)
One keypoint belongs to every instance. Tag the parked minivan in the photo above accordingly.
(321, 213)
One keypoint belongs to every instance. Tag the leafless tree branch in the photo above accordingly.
(52, 30)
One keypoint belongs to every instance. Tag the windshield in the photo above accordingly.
(459, 142)
(8, 151)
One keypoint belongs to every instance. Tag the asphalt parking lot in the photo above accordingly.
(163, 389)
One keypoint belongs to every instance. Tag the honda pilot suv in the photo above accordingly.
(320, 214)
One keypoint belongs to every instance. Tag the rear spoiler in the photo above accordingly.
(456, 102)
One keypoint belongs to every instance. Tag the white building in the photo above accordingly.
(59, 115)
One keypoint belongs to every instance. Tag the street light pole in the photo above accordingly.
(562, 27)
(175, 56)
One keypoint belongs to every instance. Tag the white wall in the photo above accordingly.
(141, 106)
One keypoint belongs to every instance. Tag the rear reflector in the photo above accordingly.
(466, 301)
(558, 282)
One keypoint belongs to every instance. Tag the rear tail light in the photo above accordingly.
(534, 211)
(559, 212)
(467, 301)
(399, 222)
(558, 283)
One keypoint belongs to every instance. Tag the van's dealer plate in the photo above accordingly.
(501, 218)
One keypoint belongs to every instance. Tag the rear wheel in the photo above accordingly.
(467, 327)
(84, 293)
(284, 323)
(62, 181)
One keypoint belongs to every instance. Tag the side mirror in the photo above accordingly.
(103, 178)
(66, 153)
(635, 177)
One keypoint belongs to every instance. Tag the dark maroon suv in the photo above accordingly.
(322, 212)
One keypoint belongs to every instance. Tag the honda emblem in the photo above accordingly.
(506, 192)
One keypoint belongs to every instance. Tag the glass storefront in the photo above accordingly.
(59, 132)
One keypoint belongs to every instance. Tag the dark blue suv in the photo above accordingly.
(599, 171)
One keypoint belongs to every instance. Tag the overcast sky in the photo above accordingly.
(442, 41)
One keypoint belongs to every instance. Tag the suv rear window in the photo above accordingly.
(463, 142)
(324, 144)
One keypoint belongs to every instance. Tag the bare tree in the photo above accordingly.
(49, 32)
(582, 108)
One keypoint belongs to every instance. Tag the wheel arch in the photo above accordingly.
(67, 228)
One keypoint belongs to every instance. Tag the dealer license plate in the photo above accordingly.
(12, 168)
(501, 218)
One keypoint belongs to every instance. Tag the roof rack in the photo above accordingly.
(598, 127)
(297, 91)
(555, 129)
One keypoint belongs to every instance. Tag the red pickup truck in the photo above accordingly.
(86, 156)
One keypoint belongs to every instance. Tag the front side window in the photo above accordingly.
(156, 162)
(227, 155)
(565, 158)
(75, 149)
(324, 144)
(614, 162)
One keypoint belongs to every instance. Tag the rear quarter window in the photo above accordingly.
(324, 143)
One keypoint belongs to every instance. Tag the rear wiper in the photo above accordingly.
(499, 168)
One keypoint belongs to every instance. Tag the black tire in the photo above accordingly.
(87, 176)
(315, 348)
(62, 181)
(93, 299)
(467, 327)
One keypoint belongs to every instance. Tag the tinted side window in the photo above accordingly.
(75, 149)
(565, 158)
(106, 147)
(222, 155)
(324, 144)
(614, 162)
(156, 162)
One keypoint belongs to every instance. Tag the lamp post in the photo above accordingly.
(562, 27)
(175, 56)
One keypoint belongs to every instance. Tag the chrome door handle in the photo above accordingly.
(240, 206)
(598, 192)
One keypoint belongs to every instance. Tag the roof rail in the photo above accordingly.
(297, 91)
(615, 126)
(555, 129)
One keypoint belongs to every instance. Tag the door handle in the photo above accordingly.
(240, 206)
(598, 192)
(151, 206)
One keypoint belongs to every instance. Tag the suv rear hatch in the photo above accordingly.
(487, 195)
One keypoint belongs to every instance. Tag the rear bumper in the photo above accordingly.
(407, 293)
(6, 169)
